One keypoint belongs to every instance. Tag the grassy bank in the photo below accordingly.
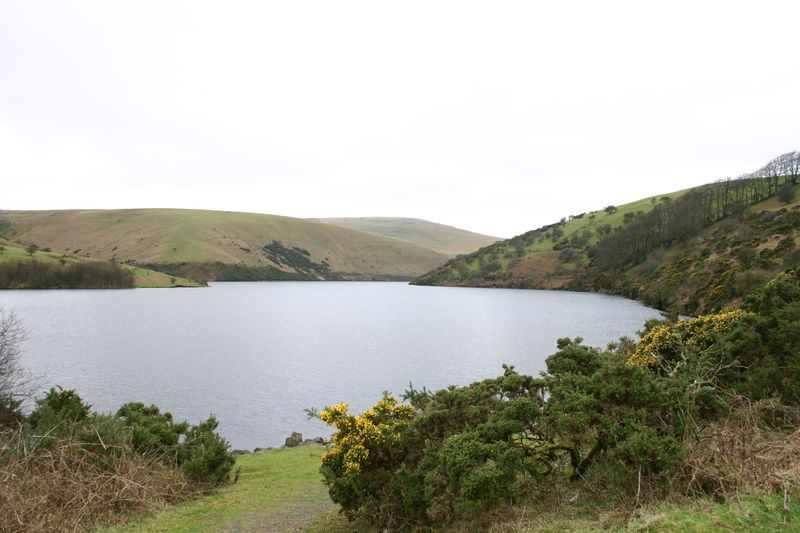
(142, 277)
(281, 490)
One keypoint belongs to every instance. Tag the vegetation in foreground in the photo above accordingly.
(706, 407)
(695, 426)
(281, 490)
(276, 490)
(66, 468)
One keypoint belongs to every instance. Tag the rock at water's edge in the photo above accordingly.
(295, 439)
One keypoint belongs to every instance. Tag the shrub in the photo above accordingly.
(450, 452)
(598, 404)
(669, 343)
(205, 456)
(366, 452)
(151, 430)
(34, 274)
(58, 412)
(69, 486)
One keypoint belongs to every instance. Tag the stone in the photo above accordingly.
(295, 439)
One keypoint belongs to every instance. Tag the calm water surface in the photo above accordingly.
(256, 354)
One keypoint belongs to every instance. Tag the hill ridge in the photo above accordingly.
(728, 235)
(197, 241)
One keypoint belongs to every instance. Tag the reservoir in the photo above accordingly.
(256, 354)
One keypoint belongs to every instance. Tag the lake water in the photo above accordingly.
(256, 354)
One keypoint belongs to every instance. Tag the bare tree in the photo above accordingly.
(16, 385)
(790, 166)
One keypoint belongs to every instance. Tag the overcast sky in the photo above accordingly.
(493, 116)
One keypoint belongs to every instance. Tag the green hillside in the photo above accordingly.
(688, 251)
(439, 237)
(221, 245)
(13, 252)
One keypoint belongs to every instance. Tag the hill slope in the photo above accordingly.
(207, 243)
(142, 277)
(689, 251)
(439, 237)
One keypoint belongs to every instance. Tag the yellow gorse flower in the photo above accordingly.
(694, 334)
(357, 438)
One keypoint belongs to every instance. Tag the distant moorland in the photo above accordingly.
(208, 245)
(439, 237)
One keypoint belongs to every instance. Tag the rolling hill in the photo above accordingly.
(689, 251)
(222, 245)
(439, 237)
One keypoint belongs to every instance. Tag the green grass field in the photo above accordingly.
(277, 490)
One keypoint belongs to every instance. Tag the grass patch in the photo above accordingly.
(277, 490)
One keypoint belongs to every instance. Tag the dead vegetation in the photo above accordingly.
(73, 486)
(754, 449)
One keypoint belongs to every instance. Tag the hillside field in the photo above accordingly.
(439, 237)
(191, 237)
(143, 277)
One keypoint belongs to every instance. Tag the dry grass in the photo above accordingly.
(756, 448)
(71, 486)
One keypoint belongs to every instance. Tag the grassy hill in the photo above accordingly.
(142, 277)
(209, 243)
(439, 237)
(532, 260)
(688, 251)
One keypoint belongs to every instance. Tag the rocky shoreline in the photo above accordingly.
(295, 439)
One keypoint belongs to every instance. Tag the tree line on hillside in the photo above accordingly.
(675, 221)
(36, 274)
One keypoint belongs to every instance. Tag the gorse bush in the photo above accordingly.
(598, 405)
(618, 418)
(409, 464)
(667, 344)
(198, 450)
(204, 455)
(59, 412)
(151, 430)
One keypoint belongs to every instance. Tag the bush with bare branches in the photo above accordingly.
(74, 486)
(16, 385)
